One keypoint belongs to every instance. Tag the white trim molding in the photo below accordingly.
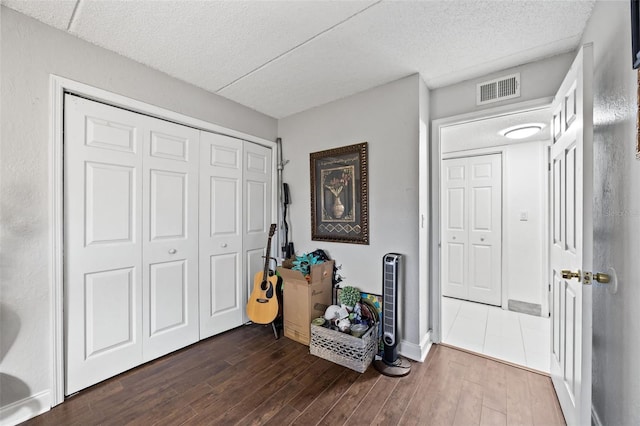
(416, 352)
(25, 409)
(58, 87)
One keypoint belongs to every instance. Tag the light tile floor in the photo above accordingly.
(510, 336)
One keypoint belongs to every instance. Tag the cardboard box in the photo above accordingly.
(304, 301)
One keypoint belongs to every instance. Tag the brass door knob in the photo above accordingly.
(567, 274)
(602, 278)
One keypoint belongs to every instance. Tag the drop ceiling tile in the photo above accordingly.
(207, 43)
(56, 13)
(449, 41)
(283, 57)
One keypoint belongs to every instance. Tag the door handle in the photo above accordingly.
(172, 251)
(588, 277)
(602, 278)
(567, 274)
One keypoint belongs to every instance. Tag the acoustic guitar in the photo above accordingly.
(262, 307)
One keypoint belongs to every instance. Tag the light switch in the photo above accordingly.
(524, 216)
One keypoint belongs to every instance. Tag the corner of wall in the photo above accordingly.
(416, 352)
(25, 409)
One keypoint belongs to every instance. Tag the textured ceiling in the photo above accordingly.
(485, 132)
(283, 57)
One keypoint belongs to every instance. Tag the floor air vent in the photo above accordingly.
(502, 88)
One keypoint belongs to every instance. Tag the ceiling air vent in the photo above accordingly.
(500, 89)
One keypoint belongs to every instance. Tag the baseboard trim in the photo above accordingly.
(25, 409)
(416, 352)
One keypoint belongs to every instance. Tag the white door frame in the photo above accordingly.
(58, 86)
(436, 158)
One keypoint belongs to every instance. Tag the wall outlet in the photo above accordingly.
(524, 216)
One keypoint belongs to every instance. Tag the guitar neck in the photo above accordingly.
(265, 272)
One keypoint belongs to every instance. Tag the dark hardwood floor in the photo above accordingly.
(247, 377)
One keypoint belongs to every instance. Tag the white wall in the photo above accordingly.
(537, 80)
(523, 190)
(616, 324)
(30, 52)
(388, 118)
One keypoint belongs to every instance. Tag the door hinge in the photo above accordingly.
(549, 288)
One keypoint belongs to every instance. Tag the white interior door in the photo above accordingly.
(170, 237)
(472, 228)
(257, 212)
(572, 239)
(103, 242)
(131, 242)
(221, 291)
(455, 231)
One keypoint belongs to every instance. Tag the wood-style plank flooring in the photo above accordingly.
(247, 377)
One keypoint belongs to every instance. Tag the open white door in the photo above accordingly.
(572, 239)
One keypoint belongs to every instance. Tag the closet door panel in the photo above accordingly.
(485, 229)
(472, 228)
(257, 212)
(170, 249)
(221, 297)
(454, 228)
(103, 244)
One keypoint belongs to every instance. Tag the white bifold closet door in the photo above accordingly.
(472, 228)
(235, 202)
(131, 239)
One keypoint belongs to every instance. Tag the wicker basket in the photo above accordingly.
(349, 351)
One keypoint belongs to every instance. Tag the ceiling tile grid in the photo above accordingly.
(207, 43)
(283, 57)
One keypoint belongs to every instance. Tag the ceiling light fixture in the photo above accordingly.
(522, 131)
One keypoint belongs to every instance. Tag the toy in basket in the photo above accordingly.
(348, 334)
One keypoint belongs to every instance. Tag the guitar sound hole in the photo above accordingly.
(268, 287)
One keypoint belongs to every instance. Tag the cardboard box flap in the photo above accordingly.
(319, 272)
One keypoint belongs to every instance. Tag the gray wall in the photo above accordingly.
(388, 118)
(538, 79)
(30, 51)
(616, 328)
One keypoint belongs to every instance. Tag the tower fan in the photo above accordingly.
(392, 278)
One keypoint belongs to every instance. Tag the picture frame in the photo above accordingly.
(638, 116)
(339, 195)
(635, 34)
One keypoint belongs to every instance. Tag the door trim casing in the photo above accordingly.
(436, 158)
(58, 86)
